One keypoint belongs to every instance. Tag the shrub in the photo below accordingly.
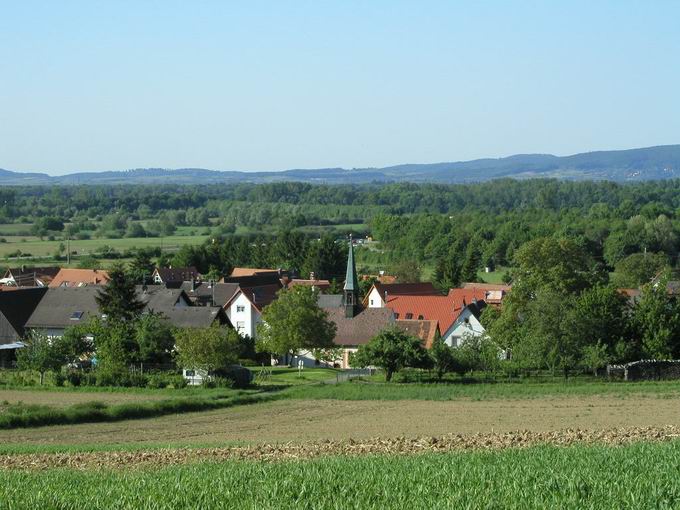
(239, 377)
(157, 381)
(75, 378)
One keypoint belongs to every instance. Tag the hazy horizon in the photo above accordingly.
(268, 86)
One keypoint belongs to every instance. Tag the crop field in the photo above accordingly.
(506, 445)
(641, 475)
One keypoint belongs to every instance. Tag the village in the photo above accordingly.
(51, 300)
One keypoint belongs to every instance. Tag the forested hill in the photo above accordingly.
(652, 163)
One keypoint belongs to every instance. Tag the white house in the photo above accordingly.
(466, 324)
(244, 308)
(243, 314)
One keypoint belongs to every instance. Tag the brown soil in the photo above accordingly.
(399, 446)
(303, 421)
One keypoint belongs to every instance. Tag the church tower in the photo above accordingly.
(351, 288)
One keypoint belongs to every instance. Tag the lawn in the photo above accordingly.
(641, 475)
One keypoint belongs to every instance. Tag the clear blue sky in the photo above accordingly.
(269, 85)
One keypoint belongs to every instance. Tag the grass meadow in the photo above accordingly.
(642, 475)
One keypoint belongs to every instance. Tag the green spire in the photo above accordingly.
(351, 282)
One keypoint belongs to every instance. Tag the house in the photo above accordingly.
(257, 280)
(29, 276)
(62, 307)
(15, 309)
(177, 275)
(376, 296)
(238, 272)
(321, 285)
(209, 293)
(79, 278)
(457, 313)
(244, 308)
(426, 330)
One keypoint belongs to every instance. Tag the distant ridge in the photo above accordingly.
(651, 163)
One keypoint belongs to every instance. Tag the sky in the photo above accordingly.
(272, 85)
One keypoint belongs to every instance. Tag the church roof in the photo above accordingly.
(351, 282)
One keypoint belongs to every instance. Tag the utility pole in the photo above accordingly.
(68, 250)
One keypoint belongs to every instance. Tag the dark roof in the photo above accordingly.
(26, 276)
(15, 309)
(62, 307)
(195, 316)
(329, 300)
(177, 274)
(261, 296)
(59, 305)
(361, 328)
(407, 289)
(256, 280)
(476, 307)
(203, 291)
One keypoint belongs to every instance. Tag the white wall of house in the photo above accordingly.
(375, 300)
(309, 360)
(243, 315)
(466, 324)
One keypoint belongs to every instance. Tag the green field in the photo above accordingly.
(44, 248)
(636, 476)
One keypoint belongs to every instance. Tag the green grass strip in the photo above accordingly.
(94, 412)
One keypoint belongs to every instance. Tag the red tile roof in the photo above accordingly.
(425, 330)
(444, 309)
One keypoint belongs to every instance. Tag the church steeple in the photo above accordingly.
(351, 288)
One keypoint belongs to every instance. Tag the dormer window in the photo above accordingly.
(409, 316)
(76, 316)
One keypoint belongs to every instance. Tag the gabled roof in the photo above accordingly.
(403, 289)
(319, 284)
(204, 291)
(176, 274)
(426, 330)
(262, 295)
(32, 276)
(255, 280)
(62, 307)
(250, 271)
(361, 328)
(15, 309)
(195, 316)
(79, 277)
(444, 309)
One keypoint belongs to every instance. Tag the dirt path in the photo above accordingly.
(397, 446)
(318, 420)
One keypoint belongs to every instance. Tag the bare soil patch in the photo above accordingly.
(303, 421)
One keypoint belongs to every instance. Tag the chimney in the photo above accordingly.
(385, 298)
(193, 284)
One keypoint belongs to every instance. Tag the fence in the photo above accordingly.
(346, 375)
(645, 370)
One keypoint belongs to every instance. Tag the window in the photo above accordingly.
(189, 373)
(240, 308)
(371, 302)
(76, 316)
(409, 316)
(420, 317)
(240, 326)
(396, 315)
